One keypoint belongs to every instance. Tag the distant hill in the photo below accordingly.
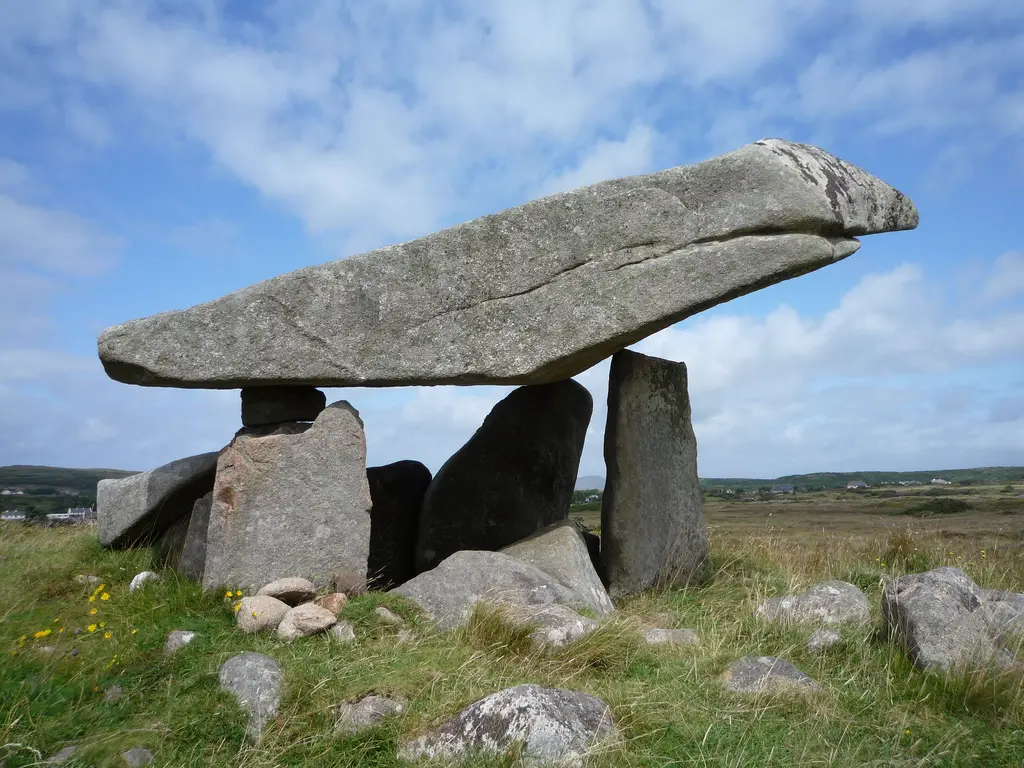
(589, 483)
(840, 479)
(55, 480)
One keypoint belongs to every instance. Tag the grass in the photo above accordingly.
(875, 709)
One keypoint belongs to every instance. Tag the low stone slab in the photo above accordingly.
(262, 406)
(255, 681)
(259, 613)
(397, 492)
(292, 590)
(830, 603)
(192, 561)
(357, 716)
(556, 626)
(305, 620)
(821, 639)
(531, 295)
(448, 592)
(653, 531)
(937, 618)
(766, 674)
(135, 510)
(290, 501)
(659, 636)
(136, 757)
(514, 476)
(560, 550)
(550, 726)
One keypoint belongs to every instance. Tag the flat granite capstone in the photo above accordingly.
(530, 295)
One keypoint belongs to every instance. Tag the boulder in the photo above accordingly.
(262, 406)
(555, 626)
(448, 592)
(178, 639)
(290, 501)
(192, 561)
(671, 637)
(531, 295)
(357, 716)
(139, 580)
(561, 551)
(550, 726)
(334, 602)
(255, 681)
(136, 757)
(652, 522)
(292, 590)
(305, 620)
(821, 639)
(514, 476)
(937, 618)
(135, 510)
(830, 603)
(1004, 612)
(766, 674)
(260, 612)
(396, 491)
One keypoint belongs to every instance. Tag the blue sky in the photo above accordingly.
(155, 155)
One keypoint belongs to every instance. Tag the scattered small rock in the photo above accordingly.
(86, 580)
(260, 612)
(829, 603)
(822, 639)
(63, 754)
(356, 716)
(293, 591)
(671, 637)
(113, 693)
(404, 637)
(255, 681)
(179, 638)
(766, 674)
(389, 617)
(333, 602)
(349, 581)
(137, 757)
(343, 632)
(142, 578)
(304, 620)
(48, 650)
(551, 725)
(556, 625)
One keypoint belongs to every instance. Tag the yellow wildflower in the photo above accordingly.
(91, 627)
(41, 633)
(254, 615)
(93, 611)
(92, 598)
(134, 630)
(60, 631)
(105, 596)
(238, 593)
(107, 635)
(907, 732)
(103, 623)
(236, 606)
(56, 620)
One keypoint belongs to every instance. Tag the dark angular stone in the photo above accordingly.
(276, 405)
(397, 492)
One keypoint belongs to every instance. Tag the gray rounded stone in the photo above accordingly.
(260, 612)
(659, 636)
(822, 639)
(305, 620)
(178, 639)
(136, 757)
(357, 716)
(141, 579)
(343, 632)
(767, 674)
(830, 603)
(255, 681)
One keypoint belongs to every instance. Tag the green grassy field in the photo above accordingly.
(875, 709)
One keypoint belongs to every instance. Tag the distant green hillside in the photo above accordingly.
(987, 475)
(55, 480)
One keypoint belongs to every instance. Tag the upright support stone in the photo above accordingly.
(397, 492)
(192, 561)
(262, 406)
(652, 525)
(514, 476)
(291, 500)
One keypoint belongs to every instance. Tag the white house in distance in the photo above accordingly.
(855, 484)
(940, 481)
(11, 492)
(13, 516)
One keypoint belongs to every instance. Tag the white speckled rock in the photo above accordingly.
(822, 639)
(830, 603)
(177, 639)
(140, 579)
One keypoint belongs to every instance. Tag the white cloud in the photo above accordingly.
(607, 159)
(1007, 279)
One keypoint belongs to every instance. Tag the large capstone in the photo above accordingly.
(514, 476)
(652, 523)
(291, 500)
(531, 295)
(397, 492)
(137, 509)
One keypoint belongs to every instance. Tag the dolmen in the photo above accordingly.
(530, 296)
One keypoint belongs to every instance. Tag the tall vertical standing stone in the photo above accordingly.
(291, 500)
(514, 476)
(652, 525)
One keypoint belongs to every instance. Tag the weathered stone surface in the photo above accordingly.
(652, 522)
(291, 589)
(593, 542)
(821, 639)
(334, 602)
(255, 681)
(260, 612)
(555, 625)
(551, 726)
(136, 757)
(766, 674)
(351, 581)
(290, 501)
(139, 580)
(177, 639)
(170, 544)
(343, 632)
(63, 754)
(937, 618)
(530, 295)
(397, 492)
(276, 405)
(561, 551)
(138, 508)
(192, 561)
(356, 716)
(671, 637)
(305, 620)
(448, 592)
(388, 616)
(1004, 612)
(830, 603)
(514, 476)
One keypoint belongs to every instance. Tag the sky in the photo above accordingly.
(155, 155)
